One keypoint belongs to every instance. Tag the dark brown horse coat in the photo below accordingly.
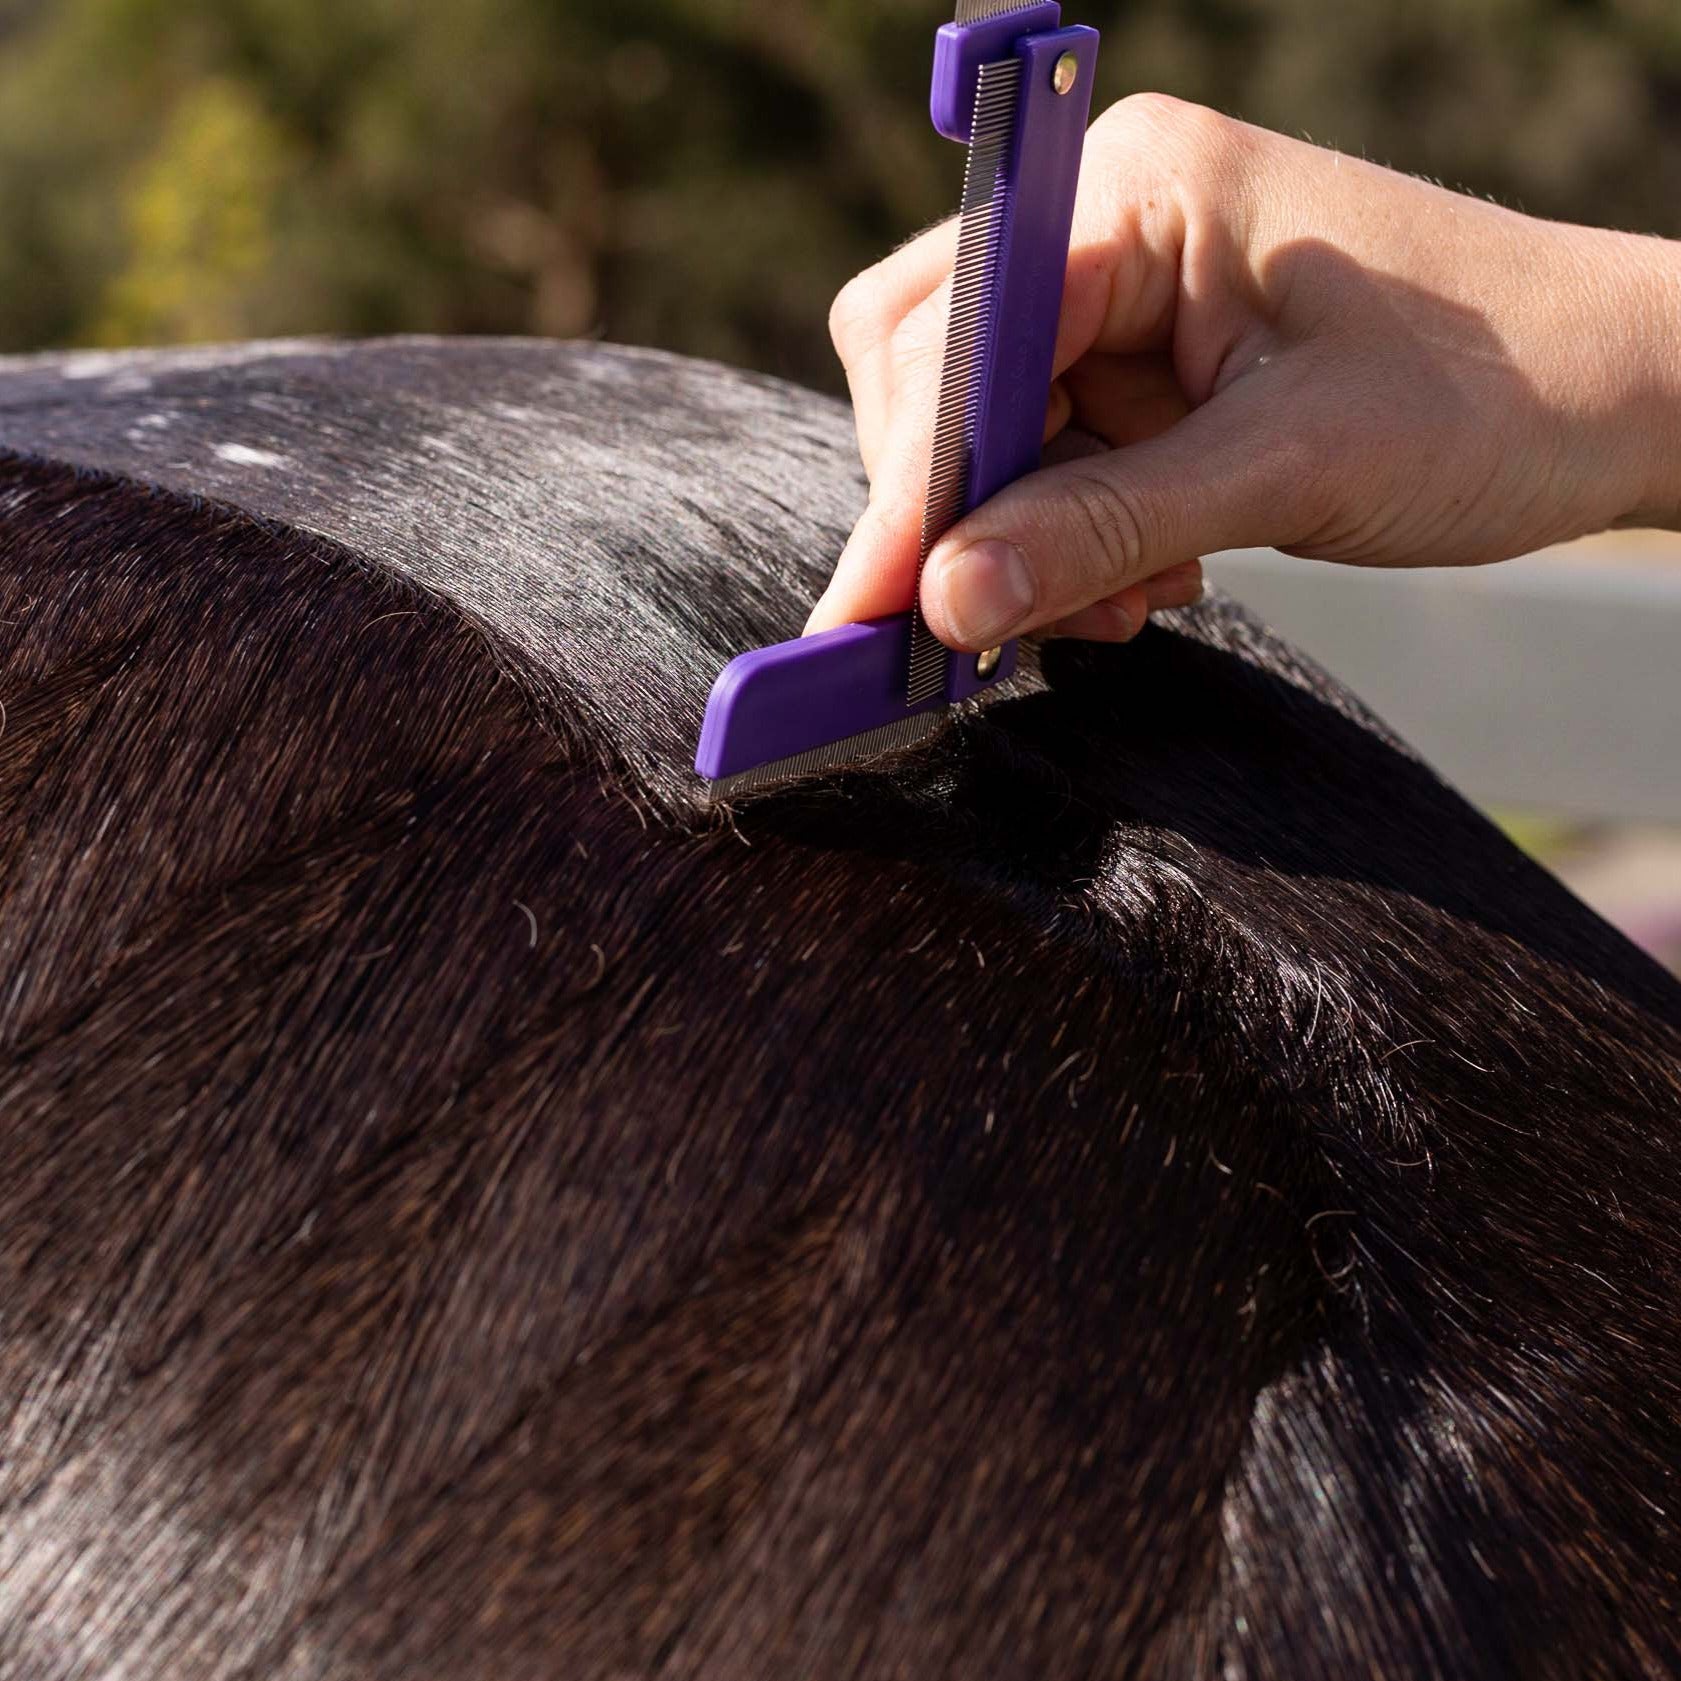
(1151, 1185)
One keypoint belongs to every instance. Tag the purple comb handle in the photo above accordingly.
(776, 703)
(1044, 174)
(780, 706)
(960, 49)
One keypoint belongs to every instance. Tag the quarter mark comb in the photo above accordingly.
(1014, 87)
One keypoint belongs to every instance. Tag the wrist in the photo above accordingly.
(1649, 333)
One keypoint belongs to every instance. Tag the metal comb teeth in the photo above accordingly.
(980, 232)
(905, 733)
(977, 11)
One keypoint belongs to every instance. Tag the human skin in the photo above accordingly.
(1278, 345)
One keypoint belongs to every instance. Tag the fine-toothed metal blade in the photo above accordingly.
(983, 216)
(976, 11)
(912, 728)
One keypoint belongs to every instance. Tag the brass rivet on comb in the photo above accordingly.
(1066, 74)
(988, 663)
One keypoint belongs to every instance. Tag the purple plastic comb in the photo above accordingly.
(1015, 88)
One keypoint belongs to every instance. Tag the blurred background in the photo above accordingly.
(704, 174)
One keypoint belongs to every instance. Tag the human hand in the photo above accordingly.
(1280, 345)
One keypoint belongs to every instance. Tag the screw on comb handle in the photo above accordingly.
(1016, 89)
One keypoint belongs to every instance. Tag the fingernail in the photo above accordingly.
(1059, 412)
(822, 614)
(985, 591)
(1121, 622)
(811, 617)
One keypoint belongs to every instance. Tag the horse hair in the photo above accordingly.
(1149, 1184)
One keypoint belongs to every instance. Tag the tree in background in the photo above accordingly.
(701, 174)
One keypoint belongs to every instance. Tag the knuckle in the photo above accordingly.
(1160, 120)
(1195, 152)
(1150, 109)
(1205, 132)
(1202, 161)
(1113, 526)
(853, 312)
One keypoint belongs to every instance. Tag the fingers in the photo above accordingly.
(1126, 399)
(1146, 159)
(872, 305)
(1059, 412)
(896, 390)
(1122, 399)
(1123, 615)
(876, 573)
(1119, 296)
(870, 311)
(1060, 541)
(1119, 306)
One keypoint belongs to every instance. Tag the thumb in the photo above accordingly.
(1061, 539)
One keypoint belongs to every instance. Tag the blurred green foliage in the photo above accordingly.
(701, 174)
